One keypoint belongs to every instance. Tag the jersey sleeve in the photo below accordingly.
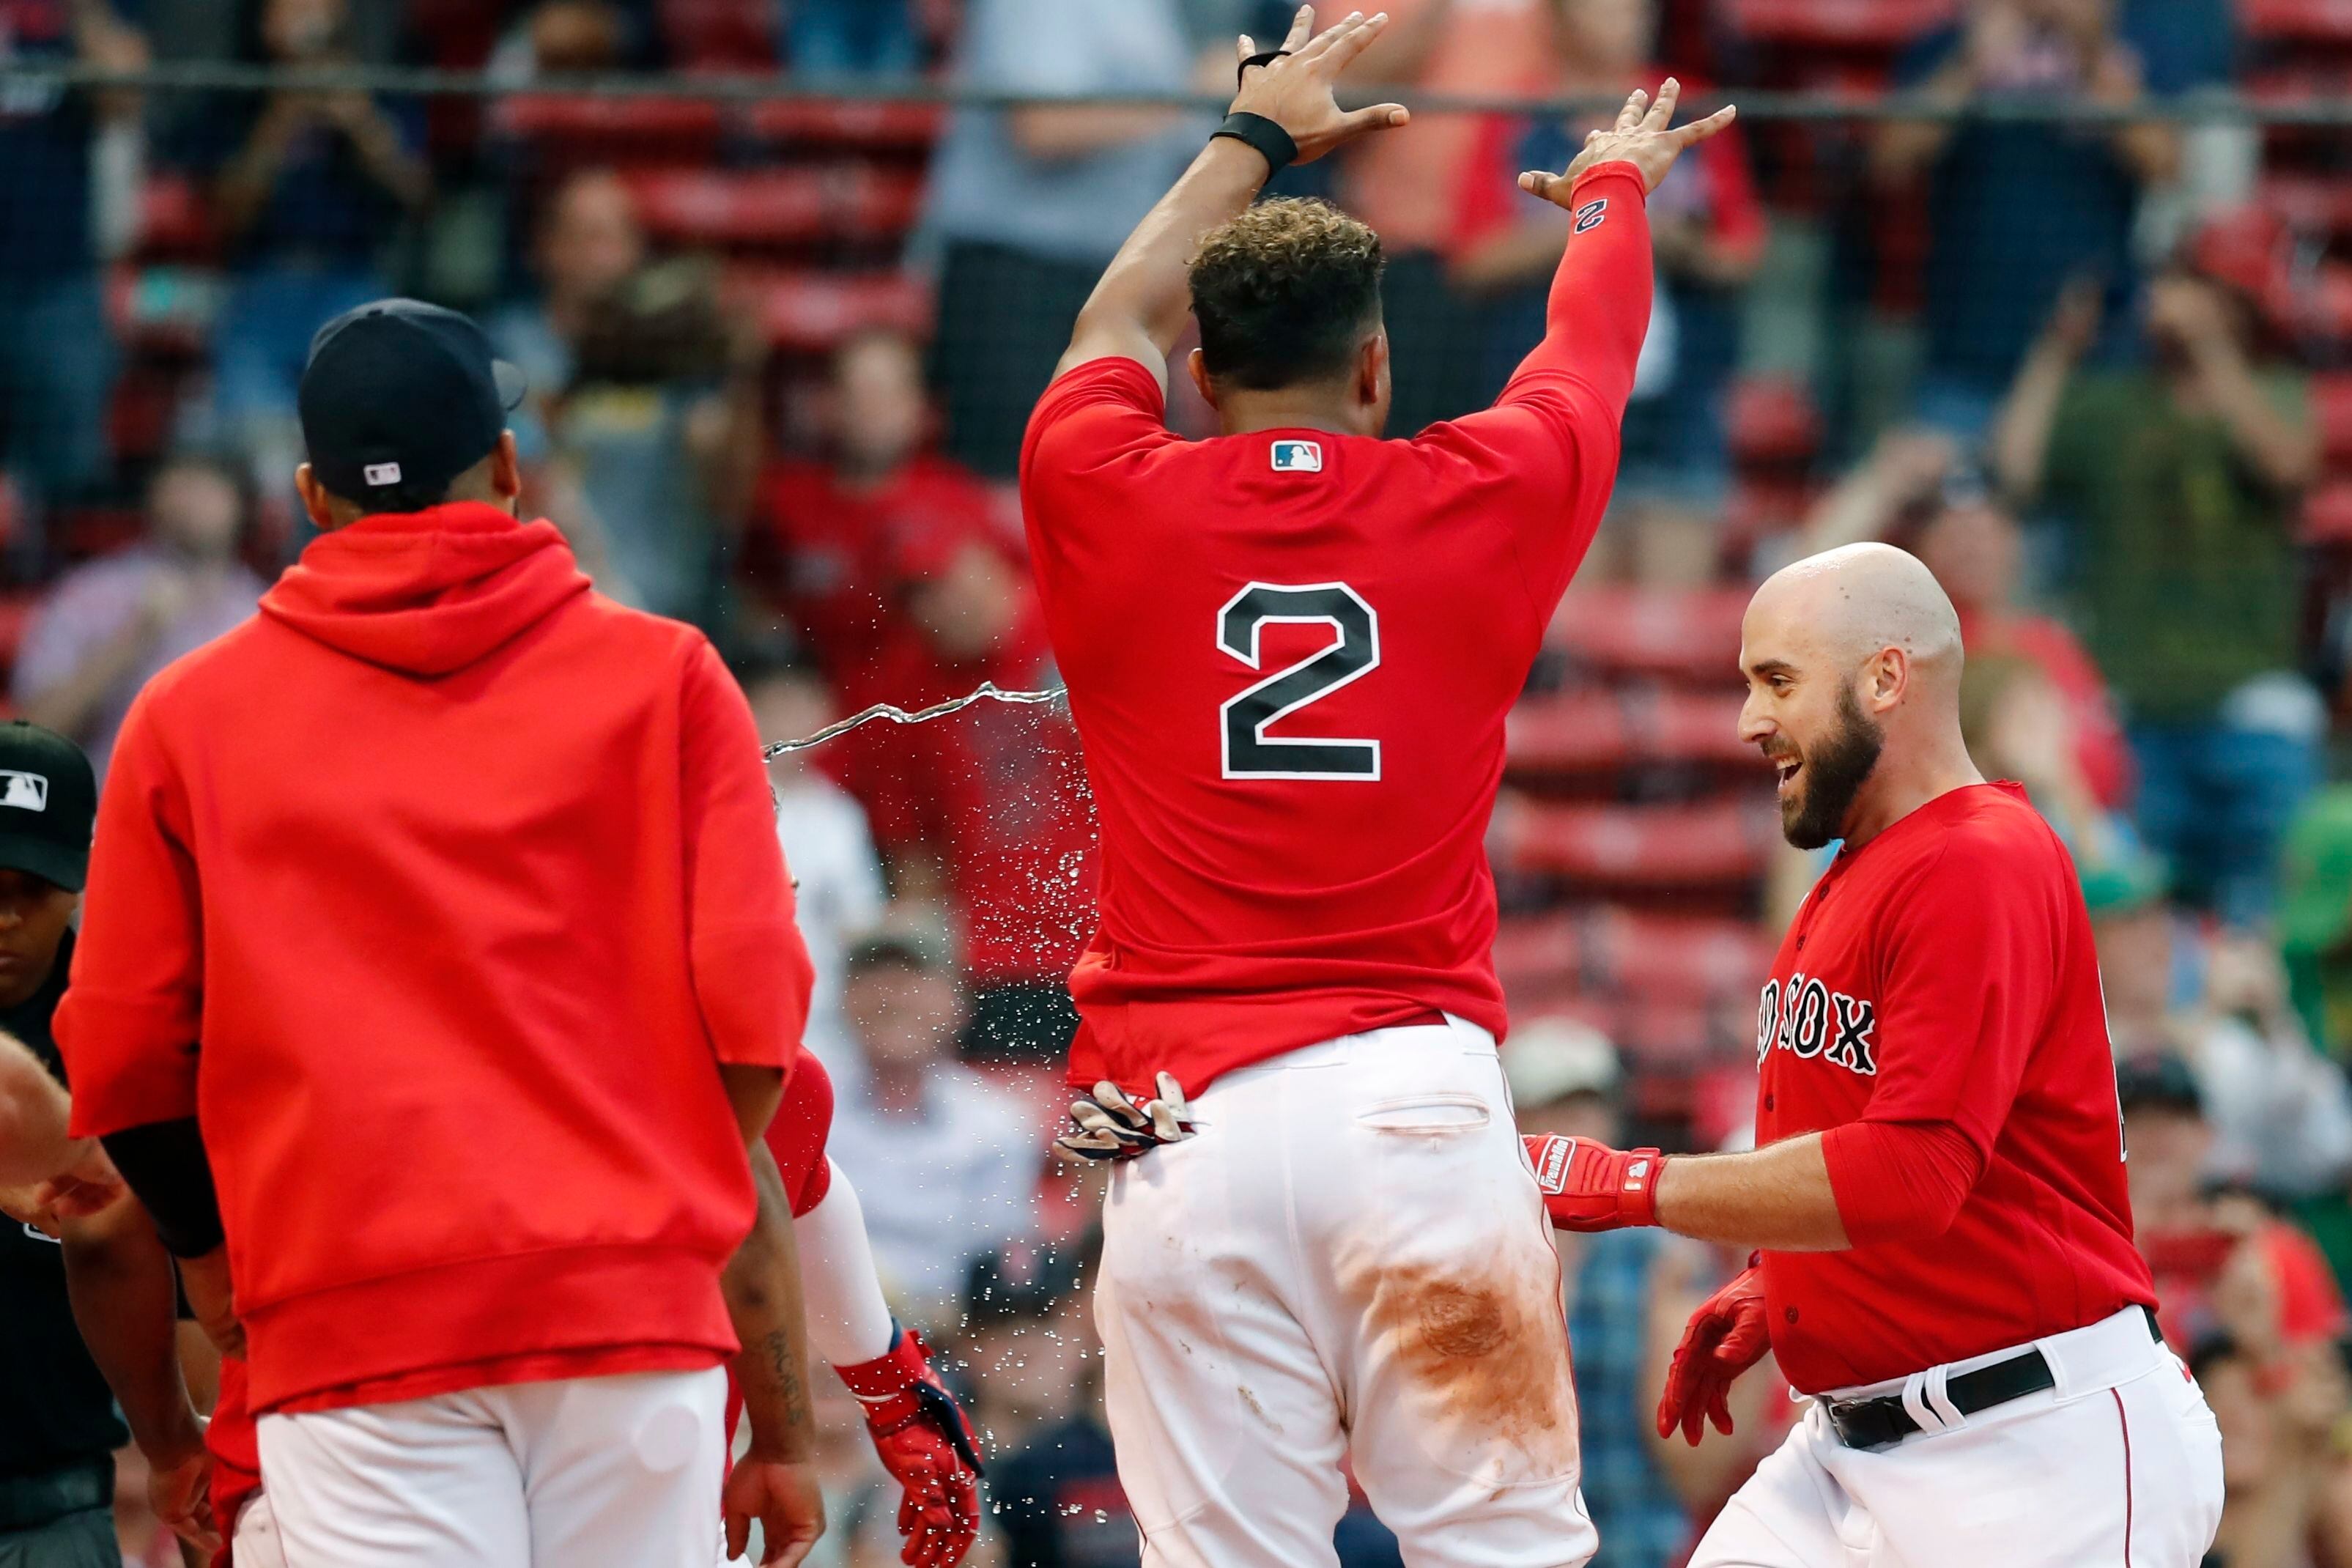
(1967, 977)
(751, 967)
(1552, 435)
(1092, 416)
(129, 1024)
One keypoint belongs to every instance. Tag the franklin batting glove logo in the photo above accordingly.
(1552, 1176)
(25, 792)
(1297, 457)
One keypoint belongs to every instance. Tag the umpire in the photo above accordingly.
(59, 1426)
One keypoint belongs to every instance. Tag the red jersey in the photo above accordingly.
(1290, 654)
(1943, 974)
(443, 943)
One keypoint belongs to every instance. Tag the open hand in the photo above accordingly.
(1295, 90)
(179, 1490)
(1725, 1337)
(1640, 137)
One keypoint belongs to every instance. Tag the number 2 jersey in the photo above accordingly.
(1290, 655)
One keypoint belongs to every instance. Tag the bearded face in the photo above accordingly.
(1820, 779)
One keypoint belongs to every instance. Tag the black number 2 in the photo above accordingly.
(1249, 755)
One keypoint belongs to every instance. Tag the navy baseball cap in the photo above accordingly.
(48, 804)
(400, 393)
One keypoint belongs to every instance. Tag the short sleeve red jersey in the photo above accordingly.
(1290, 654)
(1943, 975)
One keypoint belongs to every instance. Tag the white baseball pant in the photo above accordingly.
(595, 1472)
(1349, 1260)
(254, 1542)
(2118, 1466)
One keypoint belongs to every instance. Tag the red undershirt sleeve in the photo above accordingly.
(1899, 1181)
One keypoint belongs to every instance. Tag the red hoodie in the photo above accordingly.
(437, 892)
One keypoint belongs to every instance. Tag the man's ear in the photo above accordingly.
(1199, 369)
(1372, 369)
(506, 468)
(1885, 679)
(315, 503)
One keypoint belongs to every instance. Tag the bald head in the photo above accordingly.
(1850, 602)
(1853, 660)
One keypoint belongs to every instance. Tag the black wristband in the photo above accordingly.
(1263, 57)
(165, 1165)
(1272, 142)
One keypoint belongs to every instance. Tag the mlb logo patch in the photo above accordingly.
(1590, 215)
(381, 473)
(25, 792)
(1297, 457)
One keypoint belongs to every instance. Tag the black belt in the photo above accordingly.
(1881, 1423)
(28, 1502)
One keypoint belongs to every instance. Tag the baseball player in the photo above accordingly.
(1290, 650)
(1938, 1189)
(919, 1432)
(437, 967)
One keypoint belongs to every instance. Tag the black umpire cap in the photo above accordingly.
(402, 397)
(48, 804)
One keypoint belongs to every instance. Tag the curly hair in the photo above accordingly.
(1285, 292)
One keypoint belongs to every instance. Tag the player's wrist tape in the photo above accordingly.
(1263, 57)
(1271, 140)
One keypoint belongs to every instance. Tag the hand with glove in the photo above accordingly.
(1589, 1186)
(1112, 1125)
(1726, 1336)
(927, 1443)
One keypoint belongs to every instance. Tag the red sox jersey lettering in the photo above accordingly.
(1943, 975)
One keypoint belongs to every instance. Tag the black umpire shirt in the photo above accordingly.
(56, 1410)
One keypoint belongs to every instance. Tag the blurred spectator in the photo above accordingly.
(309, 191)
(945, 1163)
(2266, 1507)
(2181, 482)
(1564, 1078)
(1707, 227)
(837, 877)
(1913, 490)
(1030, 203)
(988, 809)
(56, 353)
(1055, 1492)
(2015, 208)
(587, 246)
(658, 429)
(106, 626)
(852, 38)
(2277, 1115)
(557, 35)
(2315, 917)
(2018, 725)
(836, 519)
(1412, 188)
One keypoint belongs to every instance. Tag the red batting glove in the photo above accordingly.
(1590, 1186)
(925, 1442)
(1726, 1336)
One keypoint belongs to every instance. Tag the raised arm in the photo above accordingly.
(1137, 311)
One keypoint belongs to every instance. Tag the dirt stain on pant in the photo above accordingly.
(1485, 1358)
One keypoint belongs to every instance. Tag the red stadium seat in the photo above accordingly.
(1576, 732)
(1838, 24)
(1693, 634)
(867, 127)
(1634, 845)
(812, 311)
(1540, 952)
(770, 209)
(2327, 514)
(1683, 956)
(2331, 406)
(2298, 21)
(1771, 419)
(2314, 204)
(579, 129)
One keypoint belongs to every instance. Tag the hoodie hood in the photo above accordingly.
(427, 592)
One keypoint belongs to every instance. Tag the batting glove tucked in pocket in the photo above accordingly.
(1112, 1125)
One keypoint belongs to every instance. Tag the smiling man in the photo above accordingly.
(1937, 1185)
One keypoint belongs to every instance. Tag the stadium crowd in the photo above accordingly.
(781, 353)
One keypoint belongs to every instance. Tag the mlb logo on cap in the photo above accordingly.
(1297, 457)
(25, 792)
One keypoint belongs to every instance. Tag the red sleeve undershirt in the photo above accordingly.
(1899, 1181)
